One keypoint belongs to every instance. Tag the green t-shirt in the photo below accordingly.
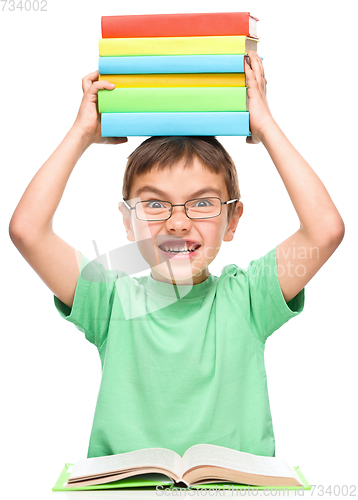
(181, 365)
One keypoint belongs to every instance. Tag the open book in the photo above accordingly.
(200, 464)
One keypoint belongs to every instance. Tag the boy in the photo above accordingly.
(182, 351)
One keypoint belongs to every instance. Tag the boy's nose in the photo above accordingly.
(178, 219)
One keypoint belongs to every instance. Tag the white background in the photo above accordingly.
(50, 374)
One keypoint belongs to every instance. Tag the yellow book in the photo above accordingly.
(177, 80)
(185, 45)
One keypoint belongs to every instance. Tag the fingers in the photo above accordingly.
(88, 80)
(118, 140)
(264, 81)
(114, 140)
(252, 70)
(255, 75)
(99, 85)
(251, 140)
(255, 65)
(250, 75)
(251, 81)
(258, 59)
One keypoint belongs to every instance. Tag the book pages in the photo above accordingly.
(147, 457)
(219, 456)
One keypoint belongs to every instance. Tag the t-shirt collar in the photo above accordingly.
(180, 291)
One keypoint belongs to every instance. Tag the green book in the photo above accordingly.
(150, 481)
(202, 466)
(172, 99)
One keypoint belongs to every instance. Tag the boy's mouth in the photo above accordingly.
(179, 247)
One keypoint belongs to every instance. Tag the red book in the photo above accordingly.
(157, 25)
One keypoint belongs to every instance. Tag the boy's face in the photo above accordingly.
(177, 185)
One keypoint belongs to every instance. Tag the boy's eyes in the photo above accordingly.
(155, 203)
(198, 208)
(202, 202)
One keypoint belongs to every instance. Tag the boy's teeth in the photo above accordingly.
(185, 249)
(173, 248)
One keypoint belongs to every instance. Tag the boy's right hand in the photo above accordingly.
(88, 119)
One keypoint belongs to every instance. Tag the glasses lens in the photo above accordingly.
(202, 208)
(153, 210)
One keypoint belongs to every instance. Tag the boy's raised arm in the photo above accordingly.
(54, 260)
(321, 230)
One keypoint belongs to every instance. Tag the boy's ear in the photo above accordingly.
(232, 225)
(127, 221)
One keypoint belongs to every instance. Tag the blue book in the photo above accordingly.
(193, 123)
(171, 64)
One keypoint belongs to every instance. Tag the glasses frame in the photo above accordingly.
(180, 205)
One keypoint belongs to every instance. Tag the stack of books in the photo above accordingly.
(175, 74)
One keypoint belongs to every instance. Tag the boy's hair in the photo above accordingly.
(163, 152)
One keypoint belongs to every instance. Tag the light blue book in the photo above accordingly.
(171, 64)
(191, 123)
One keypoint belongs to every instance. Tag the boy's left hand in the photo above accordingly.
(260, 114)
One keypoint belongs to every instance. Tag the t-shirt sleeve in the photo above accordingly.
(259, 296)
(93, 300)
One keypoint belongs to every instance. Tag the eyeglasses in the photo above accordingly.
(197, 208)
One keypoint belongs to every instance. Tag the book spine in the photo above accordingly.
(210, 45)
(171, 64)
(177, 25)
(172, 99)
(149, 124)
(177, 80)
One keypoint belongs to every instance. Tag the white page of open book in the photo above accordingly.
(147, 457)
(208, 454)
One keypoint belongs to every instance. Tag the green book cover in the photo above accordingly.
(152, 481)
(172, 99)
(149, 481)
